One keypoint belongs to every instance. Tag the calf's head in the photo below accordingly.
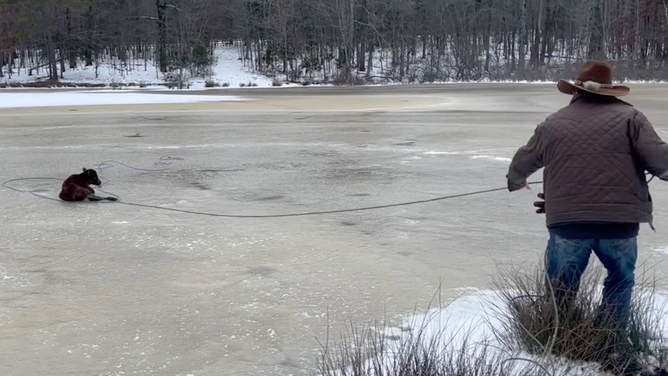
(91, 177)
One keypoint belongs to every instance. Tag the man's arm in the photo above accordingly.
(527, 160)
(649, 147)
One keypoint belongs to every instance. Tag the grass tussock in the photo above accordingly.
(532, 319)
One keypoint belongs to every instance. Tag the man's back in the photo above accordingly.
(595, 152)
(591, 173)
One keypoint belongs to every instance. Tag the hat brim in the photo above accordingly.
(616, 91)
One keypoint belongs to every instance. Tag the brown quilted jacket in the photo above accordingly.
(595, 152)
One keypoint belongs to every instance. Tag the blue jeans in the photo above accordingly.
(567, 260)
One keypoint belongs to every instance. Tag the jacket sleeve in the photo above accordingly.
(527, 160)
(648, 146)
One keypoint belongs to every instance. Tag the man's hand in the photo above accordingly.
(512, 187)
(540, 205)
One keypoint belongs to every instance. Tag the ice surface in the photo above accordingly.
(108, 289)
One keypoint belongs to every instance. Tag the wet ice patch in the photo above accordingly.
(663, 249)
(13, 279)
(5, 276)
(492, 158)
(444, 152)
(469, 153)
(45, 99)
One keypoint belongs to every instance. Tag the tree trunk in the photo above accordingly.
(513, 56)
(401, 60)
(424, 38)
(370, 62)
(53, 62)
(350, 48)
(161, 8)
(546, 35)
(88, 53)
(62, 67)
(522, 36)
(361, 61)
(487, 37)
(72, 55)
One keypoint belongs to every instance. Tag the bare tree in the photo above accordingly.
(418, 40)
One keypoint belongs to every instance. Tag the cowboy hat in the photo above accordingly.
(594, 77)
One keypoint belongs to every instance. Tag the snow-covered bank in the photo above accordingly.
(464, 337)
(228, 71)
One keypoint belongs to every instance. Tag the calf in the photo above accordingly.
(77, 187)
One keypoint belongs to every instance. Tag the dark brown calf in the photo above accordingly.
(78, 187)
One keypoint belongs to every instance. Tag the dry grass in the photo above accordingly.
(370, 352)
(557, 340)
(428, 345)
(578, 331)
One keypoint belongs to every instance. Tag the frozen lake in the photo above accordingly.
(110, 289)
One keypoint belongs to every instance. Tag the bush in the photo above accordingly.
(242, 84)
(579, 331)
(211, 83)
(276, 82)
(345, 80)
(226, 84)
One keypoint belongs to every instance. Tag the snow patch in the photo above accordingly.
(492, 158)
(228, 70)
(472, 319)
(662, 249)
(444, 152)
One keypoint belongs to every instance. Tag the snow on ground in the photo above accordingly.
(46, 99)
(108, 73)
(472, 321)
(228, 69)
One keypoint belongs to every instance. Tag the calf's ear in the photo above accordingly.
(84, 169)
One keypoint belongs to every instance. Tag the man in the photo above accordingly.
(595, 152)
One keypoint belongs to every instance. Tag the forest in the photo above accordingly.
(341, 41)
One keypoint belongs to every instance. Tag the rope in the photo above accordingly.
(324, 212)
(168, 160)
(163, 161)
(220, 215)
